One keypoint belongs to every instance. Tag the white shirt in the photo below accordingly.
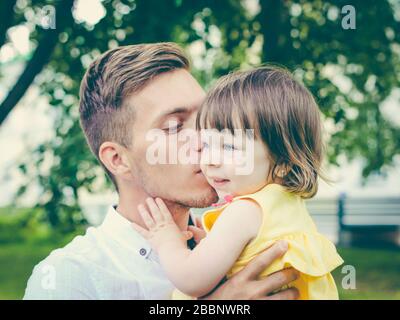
(111, 261)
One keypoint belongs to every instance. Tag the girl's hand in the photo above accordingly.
(197, 231)
(161, 228)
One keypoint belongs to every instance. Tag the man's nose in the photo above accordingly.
(211, 157)
(196, 143)
(195, 148)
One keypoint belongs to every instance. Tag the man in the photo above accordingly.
(125, 93)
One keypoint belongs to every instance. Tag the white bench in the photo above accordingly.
(372, 221)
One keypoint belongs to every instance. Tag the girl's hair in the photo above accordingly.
(283, 114)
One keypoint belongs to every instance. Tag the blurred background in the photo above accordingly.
(346, 52)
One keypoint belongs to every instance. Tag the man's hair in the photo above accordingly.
(283, 114)
(111, 79)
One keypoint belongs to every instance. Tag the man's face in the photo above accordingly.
(170, 103)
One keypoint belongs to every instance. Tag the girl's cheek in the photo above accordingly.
(241, 160)
(230, 172)
(203, 157)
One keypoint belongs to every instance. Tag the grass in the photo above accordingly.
(17, 261)
(16, 264)
(377, 274)
(24, 241)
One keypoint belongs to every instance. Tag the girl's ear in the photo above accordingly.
(282, 170)
(114, 158)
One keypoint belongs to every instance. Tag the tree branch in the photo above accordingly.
(6, 18)
(39, 59)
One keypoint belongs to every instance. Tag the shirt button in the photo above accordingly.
(142, 252)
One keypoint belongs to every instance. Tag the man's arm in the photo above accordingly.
(245, 284)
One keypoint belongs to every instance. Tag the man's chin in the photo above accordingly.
(202, 201)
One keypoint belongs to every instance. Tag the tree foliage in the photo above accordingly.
(305, 36)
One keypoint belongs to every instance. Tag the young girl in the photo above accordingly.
(281, 130)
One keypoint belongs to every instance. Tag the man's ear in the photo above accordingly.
(113, 157)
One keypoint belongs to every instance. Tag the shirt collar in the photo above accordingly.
(120, 229)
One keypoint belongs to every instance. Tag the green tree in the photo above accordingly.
(305, 36)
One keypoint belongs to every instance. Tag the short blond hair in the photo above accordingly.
(111, 78)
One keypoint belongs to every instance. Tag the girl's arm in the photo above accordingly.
(196, 272)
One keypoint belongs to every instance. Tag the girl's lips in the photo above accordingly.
(219, 182)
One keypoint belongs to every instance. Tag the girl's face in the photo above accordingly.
(224, 157)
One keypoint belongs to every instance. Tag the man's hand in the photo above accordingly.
(245, 285)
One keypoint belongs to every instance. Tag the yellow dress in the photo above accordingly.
(285, 217)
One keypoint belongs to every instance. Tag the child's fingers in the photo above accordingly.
(164, 209)
(187, 234)
(199, 223)
(146, 217)
(197, 230)
(145, 233)
(155, 211)
(198, 233)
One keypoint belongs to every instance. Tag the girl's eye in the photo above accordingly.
(228, 147)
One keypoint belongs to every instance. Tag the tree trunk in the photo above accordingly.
(6, 18)
(275, 26)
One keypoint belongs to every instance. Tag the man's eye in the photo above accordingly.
(228, 147)
(174, 129)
